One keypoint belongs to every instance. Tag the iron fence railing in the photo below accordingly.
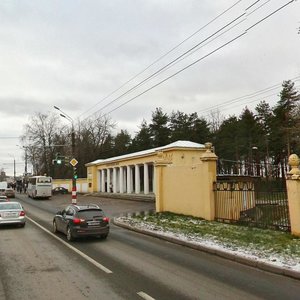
(247, 203)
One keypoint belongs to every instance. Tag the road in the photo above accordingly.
(35, 264)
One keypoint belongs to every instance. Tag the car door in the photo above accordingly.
(58, 220)
(67, 215)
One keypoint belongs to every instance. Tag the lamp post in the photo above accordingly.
(74, 189)
(255, 161)
(26, 158)
(14, 166)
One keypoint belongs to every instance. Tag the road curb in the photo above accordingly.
(268, 267)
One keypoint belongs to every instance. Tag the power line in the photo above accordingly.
(251, 95)
(249, 102)
(164, 55)
(200, 59)
(170, 63)
(192, 50)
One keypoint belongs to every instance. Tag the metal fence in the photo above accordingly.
(253, 203)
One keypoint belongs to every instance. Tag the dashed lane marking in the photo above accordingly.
(145, 296)
(91, 260)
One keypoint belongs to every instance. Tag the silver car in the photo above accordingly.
(12, 213)
(3, 198)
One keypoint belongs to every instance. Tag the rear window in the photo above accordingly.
(44, 180)
(90, 214)
(4, 206)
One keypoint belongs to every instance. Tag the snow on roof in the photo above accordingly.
(177, 144)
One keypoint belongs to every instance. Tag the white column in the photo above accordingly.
(137, 179)
(98, 181)
(146, 179)
(129, 185)
(121, 180)
(124, 180)
(154, 179)
(114, 180)
(102, 181)
(108, 180)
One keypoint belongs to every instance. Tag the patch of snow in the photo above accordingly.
(290, 262)
(178, 144)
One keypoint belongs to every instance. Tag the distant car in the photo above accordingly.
(9, 192)
(81, 221)
(12, 213)
(60, 190)
(3, 198)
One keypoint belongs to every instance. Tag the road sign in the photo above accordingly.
(73, 162)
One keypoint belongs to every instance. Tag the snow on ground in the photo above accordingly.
(253, 253)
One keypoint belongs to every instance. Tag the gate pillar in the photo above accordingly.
(293, 191)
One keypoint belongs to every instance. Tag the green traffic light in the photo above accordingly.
(58, 161)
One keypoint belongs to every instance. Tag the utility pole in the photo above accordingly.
(73, 161)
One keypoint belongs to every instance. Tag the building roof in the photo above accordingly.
(178, 144)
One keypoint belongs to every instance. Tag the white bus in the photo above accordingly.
(39, 187)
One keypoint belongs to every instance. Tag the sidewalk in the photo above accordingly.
(212, 249)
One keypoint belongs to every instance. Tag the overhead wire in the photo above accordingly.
(181, 57)
(251, 95)
(168, 64)
(249, 102)
(200, 59)
(164, 55)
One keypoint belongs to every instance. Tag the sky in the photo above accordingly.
(125, 58)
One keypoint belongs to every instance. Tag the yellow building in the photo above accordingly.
(180, 175)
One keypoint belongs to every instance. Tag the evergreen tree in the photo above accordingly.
(160, 132)
(122, 143)
(227, 145)
(142, 140)
(283, 125)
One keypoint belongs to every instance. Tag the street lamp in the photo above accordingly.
(14, 166)
(26, 158)
(255, 161)
(67, 117)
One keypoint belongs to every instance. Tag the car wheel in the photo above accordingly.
(54, 227)
(69, 234)
(104, 236)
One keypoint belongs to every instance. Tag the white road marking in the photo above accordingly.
(95, 263)
(145, 296)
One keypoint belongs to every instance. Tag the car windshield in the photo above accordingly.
(5, 206)
(90, 214)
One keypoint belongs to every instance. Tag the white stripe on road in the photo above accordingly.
(145, 296)
(95, 263)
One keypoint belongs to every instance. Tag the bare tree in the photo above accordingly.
(91, 138)
(215, 119)
(39, 138)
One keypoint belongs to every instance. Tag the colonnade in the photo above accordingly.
(138, 179)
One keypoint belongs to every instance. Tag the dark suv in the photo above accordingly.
(81, 221)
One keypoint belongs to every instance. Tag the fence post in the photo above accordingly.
(209, 160)
(293, 191)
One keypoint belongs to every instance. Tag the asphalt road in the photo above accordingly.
(35, 264)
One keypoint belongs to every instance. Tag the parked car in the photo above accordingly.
(3, 198)
(60, 190)
(81, 221)
(9, 192)
(12, 213)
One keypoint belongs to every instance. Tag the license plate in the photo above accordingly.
(93, 223)
(10, 214)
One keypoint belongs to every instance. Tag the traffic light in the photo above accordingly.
(61, 160)
(75, 173)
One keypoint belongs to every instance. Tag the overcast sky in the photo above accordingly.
(73, 54)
